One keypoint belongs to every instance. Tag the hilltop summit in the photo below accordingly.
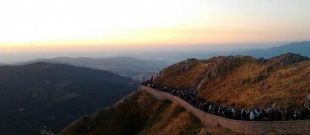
(289, 58)
(244, 81)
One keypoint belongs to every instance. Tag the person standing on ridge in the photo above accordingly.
(152, 79)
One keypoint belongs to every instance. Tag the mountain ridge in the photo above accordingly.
(137, 69)
(295, 47)
(244, 77)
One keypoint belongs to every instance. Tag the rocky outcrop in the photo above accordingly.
(288, 58)
(216, 68)
(221, 66)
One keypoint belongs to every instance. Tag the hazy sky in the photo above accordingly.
(54, 25)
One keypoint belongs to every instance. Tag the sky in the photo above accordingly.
(39, 26)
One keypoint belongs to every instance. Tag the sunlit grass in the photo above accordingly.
(243, 81)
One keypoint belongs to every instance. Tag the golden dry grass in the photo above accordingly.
(169, 124)
(239, 84)
(176, 73)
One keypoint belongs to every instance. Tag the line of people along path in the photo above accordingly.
(253, 114)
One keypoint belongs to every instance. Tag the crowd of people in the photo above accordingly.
(252, 114)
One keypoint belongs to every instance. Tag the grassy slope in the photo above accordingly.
(139, 113)
(242, 81)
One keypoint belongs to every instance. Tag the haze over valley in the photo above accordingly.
(172, 53)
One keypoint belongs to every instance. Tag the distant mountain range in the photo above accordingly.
(302, 48)
(134, 68)
(53, 95)
(140, 69)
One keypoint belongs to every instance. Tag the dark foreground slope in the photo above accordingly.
(243, 81)
(138, 113)
(53, 95)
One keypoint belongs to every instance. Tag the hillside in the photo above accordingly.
(301, 48)
(53, 95)
(136, 69)
(138, 113)
(244, 81)
(141, 113)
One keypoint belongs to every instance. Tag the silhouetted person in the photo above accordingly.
(295, 116)
(152, 79)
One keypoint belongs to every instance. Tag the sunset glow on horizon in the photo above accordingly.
(32, 24)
